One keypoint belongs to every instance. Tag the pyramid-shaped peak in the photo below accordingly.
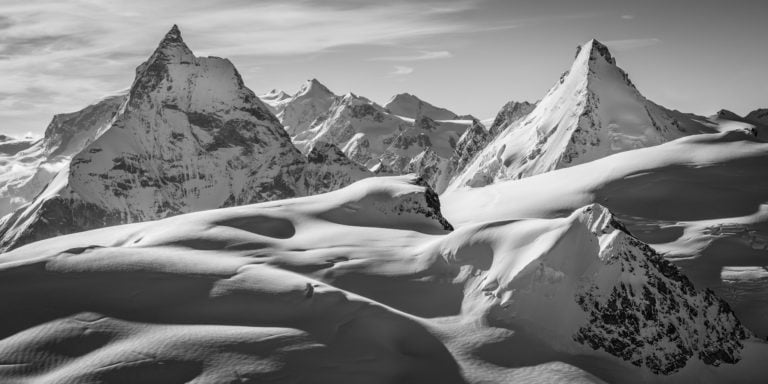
(173, 35)
(596, 49)
(172, 48)
(314, 86)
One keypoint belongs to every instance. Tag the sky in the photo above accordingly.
(470, 56)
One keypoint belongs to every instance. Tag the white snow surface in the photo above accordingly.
(363, 284)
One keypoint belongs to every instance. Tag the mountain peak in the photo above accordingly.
(173, 35)
(408, 105)
(171, 49)
(596, 49)
(758, 115)
(405, 97)
(313, 87)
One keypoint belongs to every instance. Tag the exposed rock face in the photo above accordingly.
(191, 136)
(432, 208)
(328, 169)
(509, 114)
(470, 144)
(592, 112)
(434, 169)
(643, 310)
(586, 280)
(759, 116)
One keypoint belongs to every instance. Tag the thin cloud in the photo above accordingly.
(423, 55)
(401, 70)
(629, 44)
(76, 51)
(628, 17)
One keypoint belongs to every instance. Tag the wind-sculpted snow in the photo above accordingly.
(190, 136)
(363, 284)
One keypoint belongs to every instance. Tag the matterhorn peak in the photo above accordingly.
(172, 42)
(171, 50)
(173, 35)
(596, 49)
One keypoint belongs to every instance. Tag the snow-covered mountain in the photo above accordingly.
(369, 283)
(27, 166)
(274, 100)
(299, 112)
(190, 136)
(725, 120)
(407, 135)
(477, 137)
(593, 111)
(407, 105)
(509, 114)
(759, 118)
(700, 200)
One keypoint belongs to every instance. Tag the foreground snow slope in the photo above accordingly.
(190, 136)
(702, 200)
(592, 112)
(364, 284)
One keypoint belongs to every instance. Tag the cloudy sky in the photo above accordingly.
(470, 56)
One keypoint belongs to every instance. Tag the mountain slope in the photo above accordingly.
(275, 100)
(374, 137)
(25, 171)
(300, 111)
(700, 200)
(593, 111)
(759, 115)
(407, 105)
(190, 137)
(363, 284)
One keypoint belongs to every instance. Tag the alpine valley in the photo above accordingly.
(187, 230)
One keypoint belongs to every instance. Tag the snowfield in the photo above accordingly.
(364, 284)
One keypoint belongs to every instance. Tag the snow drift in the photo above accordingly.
(363, 284)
